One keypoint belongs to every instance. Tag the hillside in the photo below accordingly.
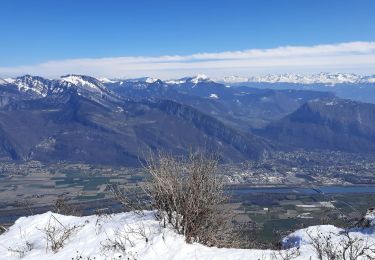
(77, 119)
(333, 124)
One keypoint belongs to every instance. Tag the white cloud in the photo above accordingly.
(358, 57)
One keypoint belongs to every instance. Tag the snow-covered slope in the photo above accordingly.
(32, 84)
(95, 236)
(84, 83)
(107, 80)
(199, 78)
(332, 239)
(132, 236)
(41, 87)
(195, 80)
(2, 81)
(321, 78)
(148, 80)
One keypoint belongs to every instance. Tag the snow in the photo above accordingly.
(331, 103)
(370, 217)
(302, 238)
(106, 80)
(233, 79)
(329, 79)
(92, 233)
(85, 84)
(175, 81)
(148, 80)
(29, 83)
(214, 96)
(199, 78)
(79, 81)
(2, 81)
(10, 80)
(151, 80)
(92, 236)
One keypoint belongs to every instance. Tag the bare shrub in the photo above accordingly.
(323, 245)
(80, 256)
(21, 249)
(353, 248)
(189, 195)
(2, 229)
(287, 254)
(57, 234)
(100, 218)
(119, 242)
(345, 246)
(130, 199)
(62, 206)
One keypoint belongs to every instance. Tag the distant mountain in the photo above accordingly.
(347, 86)
(329, 79)
(111, 121)
(78, 119)
(239, 107)
(332, 124)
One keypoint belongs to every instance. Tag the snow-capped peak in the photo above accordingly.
(199, 78)
(233, 79)
(151, 80)
(10, 80)
(148, 80)
(79, 80)
(31, 84)
(175, 81)
(84, 83)
(107, 80)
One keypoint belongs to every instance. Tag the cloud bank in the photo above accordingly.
(357, 57)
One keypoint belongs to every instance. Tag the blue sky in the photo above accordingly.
(35, 32)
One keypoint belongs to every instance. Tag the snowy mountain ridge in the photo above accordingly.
(30, 83)
(83, 82)
(320, 78)
(42, 87)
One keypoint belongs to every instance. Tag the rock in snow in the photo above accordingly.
(132, 236)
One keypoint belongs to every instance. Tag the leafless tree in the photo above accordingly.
(189, 195)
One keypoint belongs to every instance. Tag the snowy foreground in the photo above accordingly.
(131, 236)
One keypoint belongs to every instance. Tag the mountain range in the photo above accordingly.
(329, 79)
(111, 121)
(343, 85)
